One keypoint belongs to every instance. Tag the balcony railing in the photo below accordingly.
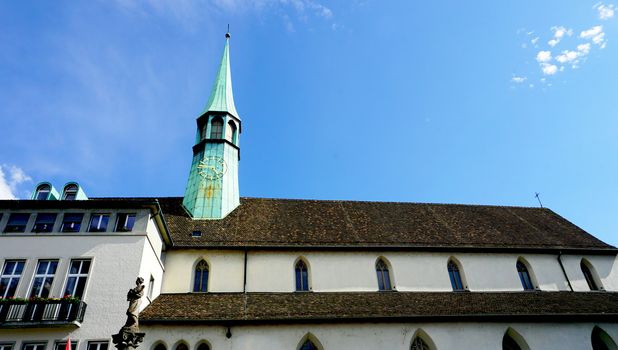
(41, 313)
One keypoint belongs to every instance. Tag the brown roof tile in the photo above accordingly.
(287, 223)
(380, 306)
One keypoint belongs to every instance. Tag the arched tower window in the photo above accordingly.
(182, 346)
(160, 346)
(302, 276)
(591, 279)
(216, 128)
(601, 340)
(308, 345)
(200, 283)
(42, 192)
(230, 132)
(384, 276)
(513, 341)
(524, 276)
(419, 344)
(70, 192)
(454, 274)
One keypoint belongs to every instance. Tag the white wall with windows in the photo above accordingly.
(370, 336)
(100, 266)
(273, 271)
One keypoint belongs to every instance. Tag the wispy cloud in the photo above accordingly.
(605, 11)
(564, 49)
(518, 79)
(11, 177)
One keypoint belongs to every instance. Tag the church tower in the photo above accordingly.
(212, 188)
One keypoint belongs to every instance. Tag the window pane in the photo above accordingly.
(17, 222)
(44, 222)
(42, 194)
(98, 223)
(85, 267)
(72, 222)
(125, 222)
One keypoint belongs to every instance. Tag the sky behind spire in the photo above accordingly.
(482, 103)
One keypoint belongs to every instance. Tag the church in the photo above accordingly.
(223, 271)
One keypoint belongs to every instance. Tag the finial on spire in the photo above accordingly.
(227, 35)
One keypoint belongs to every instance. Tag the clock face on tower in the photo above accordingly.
(212, 168)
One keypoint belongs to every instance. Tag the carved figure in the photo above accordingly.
(134, 297)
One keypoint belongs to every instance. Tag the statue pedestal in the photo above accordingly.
(127, 340)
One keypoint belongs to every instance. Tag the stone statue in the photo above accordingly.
(134, 297)
(129, 336)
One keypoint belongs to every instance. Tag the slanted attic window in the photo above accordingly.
(587, 270)
(196, 233)
(455, 276)
(524, 276)
(42, 192)
(70, 192)
(216, 128)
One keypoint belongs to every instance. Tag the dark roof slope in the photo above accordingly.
(286, 223)
(379, 306)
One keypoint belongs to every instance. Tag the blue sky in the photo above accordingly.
(482, 103)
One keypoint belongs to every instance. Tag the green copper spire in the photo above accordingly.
(221, 97)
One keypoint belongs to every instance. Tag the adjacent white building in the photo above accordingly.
(224, 272)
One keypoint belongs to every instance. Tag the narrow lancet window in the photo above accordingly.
(524, 276)
(590, 279)
(419, 344)
(230, 132)
(455, 276)
(308, 345)
(200, 284)
(384, 277)
(302, 277)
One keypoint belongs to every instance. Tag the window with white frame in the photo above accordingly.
(43, 278)
(125, 222)
(6, 346)
(42, 192)
(70, 192)
(98, 345)
(62, 345)
(77, 277)
(98, 222)
(11, 273)
(33, 346)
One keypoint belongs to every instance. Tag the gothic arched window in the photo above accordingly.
(455, 276)
(524, 276)
(384, 276)
(302, 276)
(203, 346)
(216, 128)
(308, 345)
(200, 283)
(230, 132)
(160, 346)
(508, 343)
(419, 344)
(587, 270)
(601, 340)
(182, 346)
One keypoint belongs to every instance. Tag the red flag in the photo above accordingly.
(68, 346)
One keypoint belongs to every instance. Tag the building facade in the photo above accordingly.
(225, 272)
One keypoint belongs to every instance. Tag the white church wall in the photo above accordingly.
(273, 271)
(370, 336)
(226, 270)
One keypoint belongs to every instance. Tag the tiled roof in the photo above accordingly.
(286, 223)
(380, 306)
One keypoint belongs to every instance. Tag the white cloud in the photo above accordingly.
(605, 11)
(535, 40)
(549, 69)
(543, 56)
(567, 56)
(559, 33)
(595, 34)
(11, 177)
(519, 80)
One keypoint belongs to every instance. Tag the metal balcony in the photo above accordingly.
(48, 313)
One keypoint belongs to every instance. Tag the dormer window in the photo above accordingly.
(216, 128)
(42, 192)
(70, 192)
